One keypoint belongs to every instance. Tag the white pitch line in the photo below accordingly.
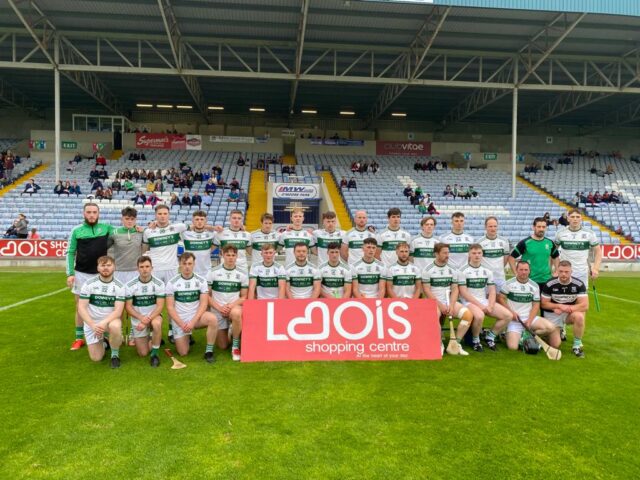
(32, 299)
(618, 298)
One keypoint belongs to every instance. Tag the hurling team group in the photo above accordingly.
(465, 276)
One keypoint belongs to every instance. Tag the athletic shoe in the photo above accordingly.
(463, 352)
(105, 344)
(235, 354)
(78, 344)
(155, 361)
(578, 351)
(477, 347)
(115, 362)
(171, 340)
(191, 340)
(209, 357)
(491, 345)
(563, 334)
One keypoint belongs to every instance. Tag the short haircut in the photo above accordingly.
(266, 216)
(574, 210)
(457, 215)
(268, 246)
(328, 215)
(475, 246)
(333, 246)
(401, 245)
(537, 220)
(523, 262)
(301, 244)
(199, 213)
(489, 218)
(144, 259)
(229, 248)
(297, 210)
(438, 247)
(426, 219)
(564, 263)
(394, 211)
(186, 256)
(129, 212)
(236, 212)
(90, 204)
(160, 207)
(370, 241)
(106, 259)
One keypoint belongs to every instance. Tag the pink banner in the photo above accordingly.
(33, 248)
(163, 141)
(340, 329)
(622, 253)
(415, 149)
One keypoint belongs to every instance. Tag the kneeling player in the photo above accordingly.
(267, 279)
(227, 292)
(100, 308)
(440, 283)
(565, 300)
(521, 296)
(145, 301)
(403, 278)
(478, 293)
(187, 302)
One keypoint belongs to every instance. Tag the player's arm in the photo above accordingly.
(173, 313)
(288, 292)
(464, 293)
(382, 288)
(378, 253)
(132, 312)
(344, 251)
(348, 285)
(355, 288)
(502, 300)
(83, 311)
(212, 303)
(535, 310)
(282, 287)
(491, 296)
(157, 311)
(596, 251)
(454, 294)
(252, 292)
(317, 288)
(71, 258)
(202, 307)
(554, 258)
(240, 300)
(389, 288)
(418, 290)
(118, 308)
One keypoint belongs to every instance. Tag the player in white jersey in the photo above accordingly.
(265, 235)
(478, 293)
(368, 274)
(187, 302)
(353, 240)
(390, 237)
(575, 243)
(521, 296)
(421, 246)
(236, 236)
(403, 277)
(199, 241)
(228, 286)
(458, 241)
(145, 301)
(100, 308)
(296, 234)
(440, 283)
(327, 235)
(160, 243)
(336, 275)
(303, 279)
(267, 279)
(495, 251)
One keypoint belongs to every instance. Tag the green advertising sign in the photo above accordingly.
(69, 145)
(487, 157)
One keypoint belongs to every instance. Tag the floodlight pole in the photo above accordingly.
(56, 95)
(514, 141)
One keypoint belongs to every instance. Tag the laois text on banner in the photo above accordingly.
(340, 329)
(33, 248)
(621, 253)
(414, 149)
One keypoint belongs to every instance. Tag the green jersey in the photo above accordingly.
(537, 253)
(87, 243)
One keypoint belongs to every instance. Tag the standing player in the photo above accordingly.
(403, 278)
(390, 237)
(87, 243)
(575, 243)
(538, 251)
(327, 235)
(440, 283)
(478, 293)
(265, 235)
(336, 276)
(100, 307)
(267, 279)
(458, 241)
(145, 301)
(303, 279)
(199, 241)
(295, 235)
(227, 292)
(421, 246)
(521, 296)
(565, 300)
(353, 240)
(368, 274)
(187, 302)
(495, 251)
(236, 236)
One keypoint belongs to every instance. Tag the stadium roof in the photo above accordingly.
(434, 62)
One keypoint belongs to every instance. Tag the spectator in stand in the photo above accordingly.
(471, 192)
(220, 181)
(107, 194)
(547, 218)
(563, 220)
(139, 199)
(207, 200)
(597, 197)
(8, 167)
(210, 187)
(343, 182)
(158, 186)
(375, 167)
(609, 169)
(234, 195)
(99, 194)
(548, 167)
(31, 188)
(77, 158)
(143, 157)
(591, 199)
(33, 235)
(606, 196)
(100, 160)
(71, 166)
(614, 197)
(234, 183)
(186, 199)
(196, 199)
(152, 199)
(619, 231)
(448, 192)
(352, 184)
(116, 186)
(457, 190)
(407, 191)
(417, 167)
(60, 190)
(174, 200)
(419, 192)
(217, 170)
(431, 210)
(422, 208)
(414, 200)
(128, 185)
(22, 226)
(150, 187)
(75, 189)
(96, 184)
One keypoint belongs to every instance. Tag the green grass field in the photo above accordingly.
(491, 415)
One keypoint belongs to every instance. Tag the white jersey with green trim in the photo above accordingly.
(421, 249)
(440, 278)
(368, 276)
(403, 279)
(267, 279)
(354, 239)
(258, 239)
(459, 244)
(102, 296)
(239, 239)
(575, 245)
(144, 295)
(493, 253)
(186, 293)
(334, 278)
(520, 296)
(476, 279)
(387, 241)
(301, 278)
(199, 243)
(163, 245)
(288, 240)
(323, 239)
(227, 283)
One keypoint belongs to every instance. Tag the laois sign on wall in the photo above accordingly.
(340, 329)
(416, 149)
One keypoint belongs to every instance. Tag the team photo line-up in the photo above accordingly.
(465, 276)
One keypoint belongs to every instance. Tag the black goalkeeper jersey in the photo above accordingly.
(566, 294)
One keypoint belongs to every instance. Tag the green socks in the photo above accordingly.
(491, 335)
(476, 339)
(577, 342)
(235, 343)
(208, 348)
(115, 352)
(154, 351)
(79, 333)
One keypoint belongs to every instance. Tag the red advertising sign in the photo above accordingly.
(164, 141)
(415, 149)
(622, 253)
(340, 329)
(33, 248)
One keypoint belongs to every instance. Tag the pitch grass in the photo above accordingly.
(492, 415)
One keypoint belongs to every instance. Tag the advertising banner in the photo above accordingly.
(296, 191)
(621, 253)
(194, 142)
(417, 149)
(341, 142)
(162, 141)
(230, 139)
(33, 248)
(340, 329)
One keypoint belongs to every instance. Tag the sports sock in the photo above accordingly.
(577, 342)
(475, 339)
(154, 350)
(79, 333)
(490, 335)
(208, 348)
(115, 352)
(235, 342)
(170, 332)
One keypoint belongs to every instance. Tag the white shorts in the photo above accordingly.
(557, 320)
(177, 331)
(135, 333)
(483, 301)
(90, 335)
(223, 322)
(125, 277)
(165, 275)
(517, 326)
(499, 282)
(80, 280)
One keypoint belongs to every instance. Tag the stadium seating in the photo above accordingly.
(8, 143)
